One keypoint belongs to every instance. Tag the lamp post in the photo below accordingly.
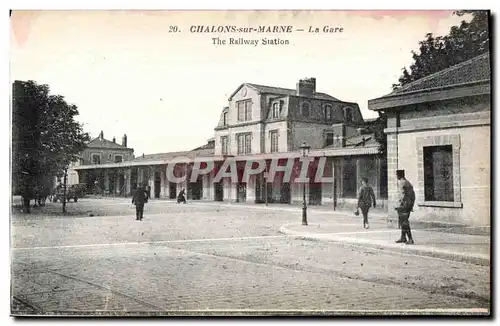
(265, 186)
(304, 152)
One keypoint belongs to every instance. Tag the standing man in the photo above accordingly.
(139, 199)
(406, 200)
(365, 198)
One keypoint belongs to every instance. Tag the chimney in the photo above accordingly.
(114, 140)
(306, 87)
(124, 140)
(101, 135)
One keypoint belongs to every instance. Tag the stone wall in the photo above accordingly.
(467, 129)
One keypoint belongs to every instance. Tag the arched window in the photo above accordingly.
(348, 114)
(306, 109)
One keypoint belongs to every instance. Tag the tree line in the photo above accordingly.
(463, 42)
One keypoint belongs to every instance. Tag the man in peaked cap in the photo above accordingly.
(139, 199)
(406, 201)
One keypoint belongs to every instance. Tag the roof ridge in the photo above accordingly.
(283, 88)
(293, 91)
(440, 72)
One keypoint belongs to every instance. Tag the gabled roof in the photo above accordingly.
(473, 70)
(104, 143)
(282, 91)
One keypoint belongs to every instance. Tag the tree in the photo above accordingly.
(468, 40)
(46, 138)
(377, 129)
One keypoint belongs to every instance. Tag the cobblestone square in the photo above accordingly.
(204, 257)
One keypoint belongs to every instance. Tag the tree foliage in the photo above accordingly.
(465, 41)
(46, 138)
(377, 129)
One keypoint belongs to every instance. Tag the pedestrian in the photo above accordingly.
(181, 198)
(96, 187)
(139, 199)
(366, 197)
(406, 201)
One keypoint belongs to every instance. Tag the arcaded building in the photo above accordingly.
(269, 124)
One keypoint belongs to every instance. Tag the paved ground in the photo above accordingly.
(214, 258)
(429, 242)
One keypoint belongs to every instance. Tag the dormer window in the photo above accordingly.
(224, 119)
(276, 111)
(306, 109)
(348, 114)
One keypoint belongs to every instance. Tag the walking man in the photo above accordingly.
(139, 199)
(406, 200)
(181, 198)
(365, 198)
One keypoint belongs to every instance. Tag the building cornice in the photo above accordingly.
(443, 125)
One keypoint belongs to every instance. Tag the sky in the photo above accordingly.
(128, 75)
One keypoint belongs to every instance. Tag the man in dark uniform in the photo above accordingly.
(139, 199)
(406, 200)
(366, 197)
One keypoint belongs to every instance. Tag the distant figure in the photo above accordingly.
(181, 198)
(406, 201)
(139, 199)
(148, 190)
(365, 198)
(96, 187)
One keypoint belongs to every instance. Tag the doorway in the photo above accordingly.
(315, 191)
(112, 183)
(195, 189)
(133, 179)
(157, 184)
(258, 190)
(242, 193)
(219, 191)
(121, 185)
(285, 193)
(172, 190)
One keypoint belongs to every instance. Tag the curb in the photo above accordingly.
(414, 250)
